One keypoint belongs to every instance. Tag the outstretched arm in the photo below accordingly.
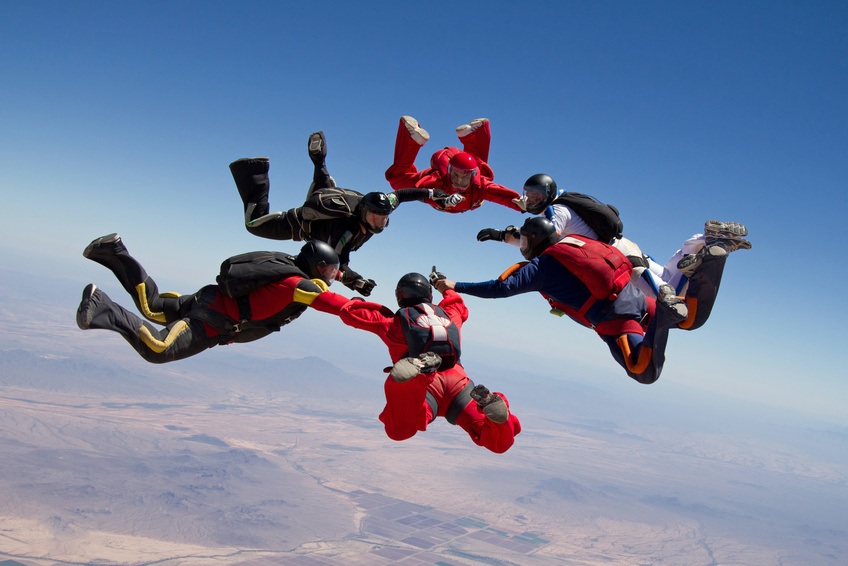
(435, 197)
(502, 195)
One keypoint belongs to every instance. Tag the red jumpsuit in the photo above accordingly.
(403, 174)
(407, 410)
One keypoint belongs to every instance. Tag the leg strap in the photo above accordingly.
(459, 402)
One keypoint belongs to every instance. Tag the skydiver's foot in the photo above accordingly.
(727, 235)
(729, 245)
(88, 306)
(317, 146)
(492, 404)
(251, 177)
(415, 130)
(721, 229)
(713, 248)
(103, 246)
(472, 126)
(407, 368)
(674, 305)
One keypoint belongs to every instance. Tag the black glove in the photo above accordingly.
(435, 276)
(439, 195)
(364, 286)
(490, 234)
(355, 282)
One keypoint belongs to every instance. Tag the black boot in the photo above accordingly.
(251, 177)
(110, 252)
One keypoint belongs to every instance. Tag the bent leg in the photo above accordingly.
(251, 177)
(671, 273)
(406, 147)
(702, 291)
(642, 356)
(497, 437)
(407, 410)
(110, 252)
(317, 148)
(477, 138)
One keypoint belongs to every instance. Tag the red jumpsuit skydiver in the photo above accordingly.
(408, 409)
(403, 174)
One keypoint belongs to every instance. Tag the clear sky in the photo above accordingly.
(123, 116)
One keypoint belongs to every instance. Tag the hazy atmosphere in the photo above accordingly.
(123, 117)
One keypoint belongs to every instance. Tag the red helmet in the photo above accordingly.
(462, 168)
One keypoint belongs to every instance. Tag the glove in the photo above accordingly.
(446, 200)
(521, 202)
(490, 234)
(436, 276)
(355, 282)
(453, 200)
(364, 286)
(511, 233)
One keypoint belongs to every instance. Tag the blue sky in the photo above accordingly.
(121, 116)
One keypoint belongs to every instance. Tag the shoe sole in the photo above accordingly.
(416, 132)
(728, 230)
(492, 405)
(316, 144)
(110, 239)
(85, 312)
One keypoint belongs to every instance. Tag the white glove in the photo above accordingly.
(521, 202)
(453, 200)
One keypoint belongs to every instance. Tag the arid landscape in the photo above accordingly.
(236, 459)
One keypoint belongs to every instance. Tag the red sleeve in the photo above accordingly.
(409, 177)
(454, 307)
(368, 316)
(499, 194)
(329, 302)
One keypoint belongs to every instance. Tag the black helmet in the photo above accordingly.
(544, 184)
(537, 235)
(412, 289)
(378, 203)
(318, 260)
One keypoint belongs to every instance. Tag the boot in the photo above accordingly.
(251, 177)
(415, 130)
(492, 404)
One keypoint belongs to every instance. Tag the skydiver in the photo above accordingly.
(465, 173)
(197, 322)
(343, 218)
(421, 385)
(541, 196)
(634, 327)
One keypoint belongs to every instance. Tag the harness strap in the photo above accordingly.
(459, 402)
(244, 307)
(434, 405)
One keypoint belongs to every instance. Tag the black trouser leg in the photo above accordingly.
(702, 291)
(251, 177)
(180, 339)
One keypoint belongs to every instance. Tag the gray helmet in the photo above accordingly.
(318, 260)
(544, 184)
(537, 235)
(412, 289)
